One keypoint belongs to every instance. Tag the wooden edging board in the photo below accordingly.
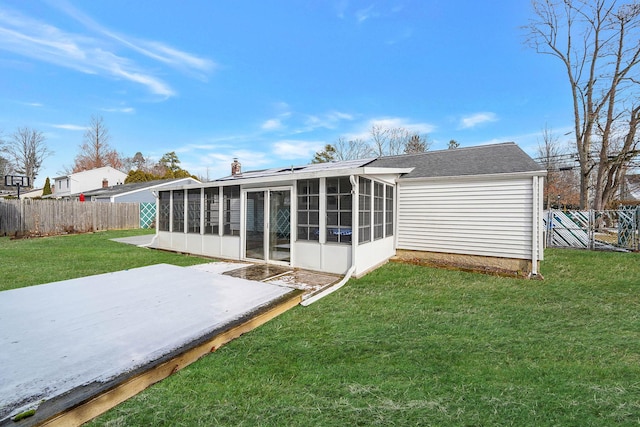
(100, 402)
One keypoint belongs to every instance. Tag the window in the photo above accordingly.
(339, 210)
(231, 213)
(309, 209)
(211, 210)
(178, 211)
(193, 210)
(164, 210)
(378, 210)
(364, 209)
(388, 211)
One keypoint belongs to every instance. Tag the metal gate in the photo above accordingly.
(603, 230)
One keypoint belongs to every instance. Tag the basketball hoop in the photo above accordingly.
(16, 181)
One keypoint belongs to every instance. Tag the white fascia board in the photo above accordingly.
(170, 185)
(292, 176)
(386, 171)
(475, 177)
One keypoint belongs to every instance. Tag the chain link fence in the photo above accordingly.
(615, 230)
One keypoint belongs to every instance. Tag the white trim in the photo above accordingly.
(535, 224)
(166, 185)
(287, 177)
(476, 177)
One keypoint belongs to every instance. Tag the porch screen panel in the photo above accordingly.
(378, 210)
(309, 209)
(364, 208)
(164, 210)
(193, 210)
(339, 211)
(231, 212)
(178, 211)
(211, 210)
(388, 210)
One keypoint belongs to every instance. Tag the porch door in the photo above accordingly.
(268, 225)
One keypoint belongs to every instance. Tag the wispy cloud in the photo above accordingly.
(328, 120)
(150, 48)
(366, 13)
(32, 38)
(70, 127)
(295, 149)
(477, 119)
(363, 130)
(126, 110)
(272, 124)
(302, 122)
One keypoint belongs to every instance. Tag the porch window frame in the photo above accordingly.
(308, 230)
(340, 230)
(194, 209)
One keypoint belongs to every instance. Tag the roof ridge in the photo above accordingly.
(446, 150)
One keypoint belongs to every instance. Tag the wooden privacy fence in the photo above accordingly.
(46, 217)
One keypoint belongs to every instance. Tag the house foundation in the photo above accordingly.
(510, 267)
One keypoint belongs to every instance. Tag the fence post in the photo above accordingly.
(636, 226)
(549, 227)
(592, 224)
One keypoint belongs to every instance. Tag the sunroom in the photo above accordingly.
(334, 217)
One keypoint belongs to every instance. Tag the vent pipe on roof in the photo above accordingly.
(236, 167)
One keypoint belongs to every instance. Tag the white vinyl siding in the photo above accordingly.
(488, 217)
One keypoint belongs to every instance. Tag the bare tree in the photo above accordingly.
(95, 151)
(597, 43)
(561, 184)
(6, 168)
(389, 141)
(26, 150)
(352, 149)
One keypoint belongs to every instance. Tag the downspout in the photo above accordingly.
(534, 227)
(152, 244)
(354, 247)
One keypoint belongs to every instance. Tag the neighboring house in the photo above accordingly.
(477, 207)
(135, 191)
(24, 194)
(30, 194)
(71, 186)
(631, 188)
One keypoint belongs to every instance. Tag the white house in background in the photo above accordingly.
(135, 192)
(477, 207)
(71, 186)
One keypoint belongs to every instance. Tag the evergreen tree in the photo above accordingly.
(325, 155)
(453, 144)
(46, 190)
(415, 145)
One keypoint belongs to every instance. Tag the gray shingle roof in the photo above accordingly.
(480, 160)
(115, 190)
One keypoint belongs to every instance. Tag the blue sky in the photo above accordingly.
(271, 82)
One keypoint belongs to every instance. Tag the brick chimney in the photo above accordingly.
(105, 183)
(235, 167)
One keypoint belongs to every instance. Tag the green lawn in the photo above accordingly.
(410, 345)
(42, 260)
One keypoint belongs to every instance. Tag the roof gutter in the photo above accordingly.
(354, 248)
